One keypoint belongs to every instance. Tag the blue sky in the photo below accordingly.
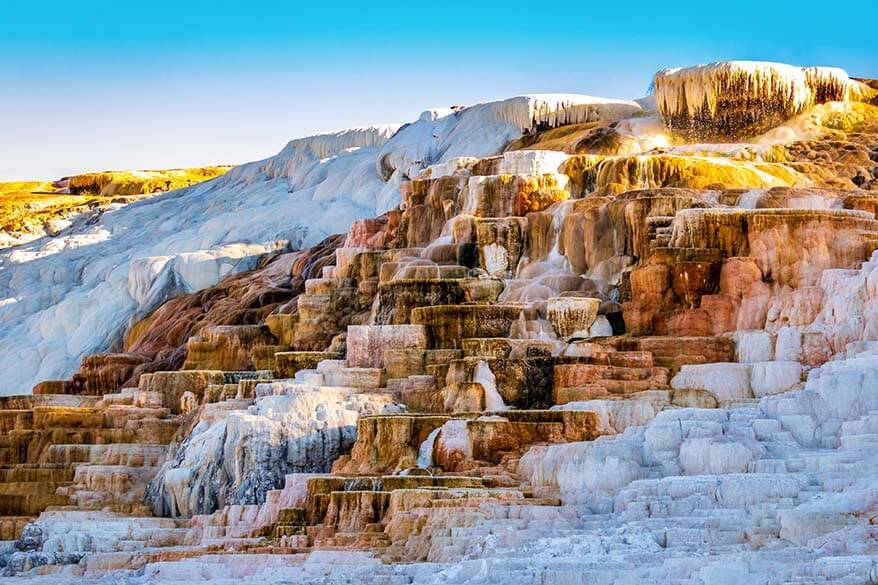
(95, 85)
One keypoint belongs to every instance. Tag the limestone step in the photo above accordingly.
(398, 298)
(36, 473)
(567, 375)
(16, 419)
(328, 286)
(239, 376)
(359, 263)
(403, 363)
(25, 488)
(45, 417)
(116, 416)
(501, 242)
(659, 221)
(352, 540)
(24, 402)
(263, 356)
(335, 374)
(448, 325)
(282, 327)
(131, 454)
(504, 347)
(601, 389)
(417, 269)
(674, 352)
(367, 344)
(111, 478)
(288, 363)
(218, 393)
(662, 239)
(55, 387)
(384, 441)
(522, 382)
(225, 347)
(22, 446)
(416, 392)
(121, 398)
(11, 526)
(406, 253)
(631, 359)
(513, 194)
(172, 385)
(30, 503)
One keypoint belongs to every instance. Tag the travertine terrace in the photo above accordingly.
(553, 339)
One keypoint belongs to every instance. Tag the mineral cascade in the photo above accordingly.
(553, 339)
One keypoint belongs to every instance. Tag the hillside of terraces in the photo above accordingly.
(582, 341)
(32, 209)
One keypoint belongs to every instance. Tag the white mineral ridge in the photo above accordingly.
(617, 415)
(62, 298)
(484, 129)
(239, 455)
(701, 85)
(725, 381)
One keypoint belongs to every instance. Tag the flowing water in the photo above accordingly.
(484, 376)
(425, 452)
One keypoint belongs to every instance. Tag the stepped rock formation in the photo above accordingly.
(551, 339)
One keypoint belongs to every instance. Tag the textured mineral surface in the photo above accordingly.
(552, 339)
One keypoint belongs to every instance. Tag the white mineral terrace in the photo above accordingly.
(558, 339)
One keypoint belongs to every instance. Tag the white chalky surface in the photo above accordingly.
(64, 297)
(234, 458)
(783, 491)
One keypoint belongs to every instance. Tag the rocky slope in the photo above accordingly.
(31, 210)
(559, 339)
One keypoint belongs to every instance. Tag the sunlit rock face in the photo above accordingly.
(740, 98)
(633, 341)
(30, 210)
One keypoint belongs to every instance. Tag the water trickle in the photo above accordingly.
(484, 376)
(450, 228)
(813, 202)
(750, 199)
(374, 309)
(360, 484)
(425, 452)
(560, 211)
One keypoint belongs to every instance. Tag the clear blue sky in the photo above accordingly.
(95, 85)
